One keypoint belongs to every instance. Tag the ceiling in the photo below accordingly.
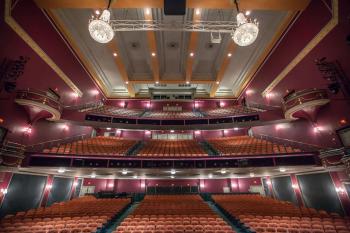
(134, 71)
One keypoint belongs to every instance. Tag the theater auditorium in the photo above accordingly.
(174, 116)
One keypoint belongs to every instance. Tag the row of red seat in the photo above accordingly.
(173, 214)
(115, 146)
(85, 214)
(262, 214)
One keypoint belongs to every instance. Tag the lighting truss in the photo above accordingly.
(187, 26)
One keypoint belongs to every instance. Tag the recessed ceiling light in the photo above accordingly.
(187, 82)
(126, 82)
(229, 54)
(248, 12)
(153, 54)
(97, 12)
(217, 82)
(61, 170)
(157, 82)
(191, 54)
(148, 11)
(115, 54)
(198, 11)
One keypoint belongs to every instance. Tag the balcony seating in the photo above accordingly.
(171, 115)
(84, 214)
(94, 146)
(173, 214)
(267, 215)
(171, 148)
(245, 145)
(228, 111)
(117, 111)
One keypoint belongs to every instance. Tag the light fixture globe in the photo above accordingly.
(100, 29)
(246, 31)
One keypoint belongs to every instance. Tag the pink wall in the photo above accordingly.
(38, 74)
(5, 179)
(337, 178)
(305, 74)
(100, 184)
(184, 182)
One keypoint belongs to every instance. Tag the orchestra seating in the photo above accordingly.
(246, 145)
(173, 214)
(228, 111)
(171, 115)
(262, 214)
(94, 146)
(117, 111)
(85, 214)
(172, 148)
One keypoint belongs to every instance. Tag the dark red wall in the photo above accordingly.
(305, 75)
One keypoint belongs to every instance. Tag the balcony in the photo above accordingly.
(39, 104)
(304, 104)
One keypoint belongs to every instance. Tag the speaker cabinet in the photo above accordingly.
(174, 7)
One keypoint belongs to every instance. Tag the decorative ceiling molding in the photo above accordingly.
(121, 67)
(307, 49)
(191, 48)
(231, 48)
(152, 45)
(293, 5)
(64, 32)
(282, 28)
(37, 49)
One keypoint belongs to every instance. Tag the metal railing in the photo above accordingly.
(12, 149)
(39, 147)
(86, 107)
(332, 152)
(287, 142)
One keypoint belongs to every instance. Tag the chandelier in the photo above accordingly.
(100, 28)
(247, 30)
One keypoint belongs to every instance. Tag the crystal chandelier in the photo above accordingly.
(247, 30)
(100, 28)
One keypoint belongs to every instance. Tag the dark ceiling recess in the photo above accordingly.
(172, 7)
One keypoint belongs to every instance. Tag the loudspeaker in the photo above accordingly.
(174, 7)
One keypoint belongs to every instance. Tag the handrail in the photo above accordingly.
(12, 149)
(305, 91)
(51, 143)
(292, 143)
(86, 106)
(332, 152)
(39, 92)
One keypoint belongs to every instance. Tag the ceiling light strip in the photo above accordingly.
(39, 51)
(307, 49)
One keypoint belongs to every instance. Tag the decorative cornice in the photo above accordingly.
(307, 49)
(39, 51)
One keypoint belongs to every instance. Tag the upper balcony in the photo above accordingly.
(39, 104)
(304, 103)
